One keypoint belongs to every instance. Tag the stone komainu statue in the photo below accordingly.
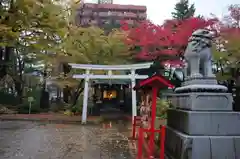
(198, 54)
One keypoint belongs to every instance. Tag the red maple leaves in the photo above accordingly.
(169, 39)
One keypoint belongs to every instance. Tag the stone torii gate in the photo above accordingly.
(109, 68)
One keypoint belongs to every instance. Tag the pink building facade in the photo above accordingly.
(101, 14)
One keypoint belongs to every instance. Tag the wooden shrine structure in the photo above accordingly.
(149, 89)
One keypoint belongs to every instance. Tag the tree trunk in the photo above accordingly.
(3, 61)
(77, 93)
(18, 74)
(44, 100)
(66, 94)
(66, 90)
(58, 94)
(19, 89)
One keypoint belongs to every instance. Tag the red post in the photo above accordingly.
(151, 144)
(140, 143)
(162, 142)
(134, 128)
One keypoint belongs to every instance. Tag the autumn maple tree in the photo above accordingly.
(165, 42)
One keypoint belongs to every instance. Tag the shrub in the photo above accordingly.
(162, 107)
(8, 99)
(58, 106)
(35, 107)
(24, 108)
(76, 109)
(54, 107)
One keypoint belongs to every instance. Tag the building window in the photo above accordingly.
(105, 1)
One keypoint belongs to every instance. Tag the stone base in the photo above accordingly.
(205, 123)
(199, 84)
(182, 146)
(201, 88)
(202, 101)
(200, 80)
(191, 81)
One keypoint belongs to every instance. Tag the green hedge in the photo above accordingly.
(35, 108)
(8, 99)
(24, 108)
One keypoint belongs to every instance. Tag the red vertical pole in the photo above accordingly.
(153, 114)
(140, 143)
(151, 144)
(134, 128)
(162, 142)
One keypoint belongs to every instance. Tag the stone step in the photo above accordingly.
(204, 122)
(202, 101)
(182, 146)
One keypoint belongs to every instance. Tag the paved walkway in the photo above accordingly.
(37, 140)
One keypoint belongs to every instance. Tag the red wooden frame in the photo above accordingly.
(156, 82)
(136, 120)
(162, 132)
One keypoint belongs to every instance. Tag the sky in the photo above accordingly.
(160, 10)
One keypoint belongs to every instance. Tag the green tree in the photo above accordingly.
(183, 10)
(227, 53)
(44, 32)
(89, 45)
(28, 28)
(227, 48)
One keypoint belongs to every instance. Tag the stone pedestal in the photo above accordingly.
(182, 146)
(202, 101)
(201, 124)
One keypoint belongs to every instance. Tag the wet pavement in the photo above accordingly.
(32, 140)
